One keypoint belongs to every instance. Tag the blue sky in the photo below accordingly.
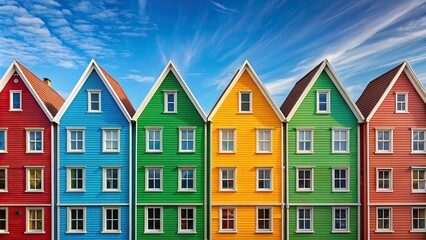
(209, 40)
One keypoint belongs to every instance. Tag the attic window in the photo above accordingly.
(401, 102)
(170, 102)
(94, 101)
(16, 100)
(323, 101)
(245, 102)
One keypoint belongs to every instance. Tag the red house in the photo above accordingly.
(27, 108)
(394, 156)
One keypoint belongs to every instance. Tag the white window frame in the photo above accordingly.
(104, 139)
(390, 180)
(347, 130)
(147, 189)
(390, 229)
(154, 231)
(311, 189)
(11, 108)
(180, 188)
(69, 189)
(28, 184)
(234, 131)
(323, 91)
(5, 179)
(6, 230)
(311, 229)
(36, 130)
(89, 101)
(348, 223)
(347, 189)
(240, 102)
(234, 189)
(412, 141)
(194, 219)
(69, 230)
(104, 179)
(166, 103)
(221, 230)
(180, 139)
(5, 140)
(271, 220)
(147, 130)
(412, 219)
(270, 189)
(311, 141)
(69, 130)
(27, 221)
(412, 179)
(390, 130)
(104, 219)
(406, 102)
(258, 140)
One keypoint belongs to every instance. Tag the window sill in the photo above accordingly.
(188, 191)
(149, 232)
(264, 190)
(384, 191)
(170, 112)
(193, 232)
(402, 112)
(227, 152)
(419, 152)
(248, 112)
(309, 232)
(16, 110)
(384, 231)
(415, 192)
(340, 191)
(230, 231)
(72, 152)
(111, 232)
(341, 231)
(264, 152)
(298, 190)
(38, 232)
(76, 232)
(3, 152)
(115, 151)
(34, 191)
(149, 190)
(34, 152)
(76, 191)
(111, 191)
(340, 152)
(264, 232)
(305, 152)
(160, 151)
(418, 231)
(323, 112)
(380, 152)
(224, 190)
(4, 232)
(4, 191)
(94, 111)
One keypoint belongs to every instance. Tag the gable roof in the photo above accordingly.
(110, 83)
(246, 67)
(47, 98)
(169, 67)
(377, 90)
(304, 85)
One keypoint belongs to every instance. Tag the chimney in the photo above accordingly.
(47, 81)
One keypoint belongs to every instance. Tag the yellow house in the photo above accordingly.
(247, 177)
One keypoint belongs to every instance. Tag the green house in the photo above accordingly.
(322, 158)
(171, 161)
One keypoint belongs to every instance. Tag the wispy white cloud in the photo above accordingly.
(139, 78)
(221, 8)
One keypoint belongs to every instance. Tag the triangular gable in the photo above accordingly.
(309, 81)
(382, 86)
(45, 94)
(246, 66)
(169, 67)
(92, 66)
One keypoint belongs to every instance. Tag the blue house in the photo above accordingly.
(94, 187)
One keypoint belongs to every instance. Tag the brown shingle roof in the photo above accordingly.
(51, 99)
(120, 92)
(375, 90)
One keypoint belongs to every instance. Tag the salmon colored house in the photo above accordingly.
(246, 173)
(394, 156)
(27, 108)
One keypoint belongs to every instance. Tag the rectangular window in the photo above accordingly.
(228, 219)
(35, 179)
(227, 140)
(384, 180)
(154, 179)
(76, 179)
(35, 220)
(34, 140)
(111, 140)
(305, 219)
(419, 219)
(3, 179)
(264, 141)
(340, 140)
(264, 179)
(418, 140)
(245, 102)
(384, 140)
(323, 101)
(76, 220)
(264, 220)
(187, 179)
(3, 220)
(305, 179)
(305, 140)
(111, 223)
(227, 179)
(340, 179)
(170, 102)
(153, 219)
(111, 179)
(340, 219)
(401, 102)
(384, 219)
(15, 100)
(94, 101)
(75, 140)
(3, 140)
(187, 220)
(418, 180)
(154, 139)
(186, 140)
